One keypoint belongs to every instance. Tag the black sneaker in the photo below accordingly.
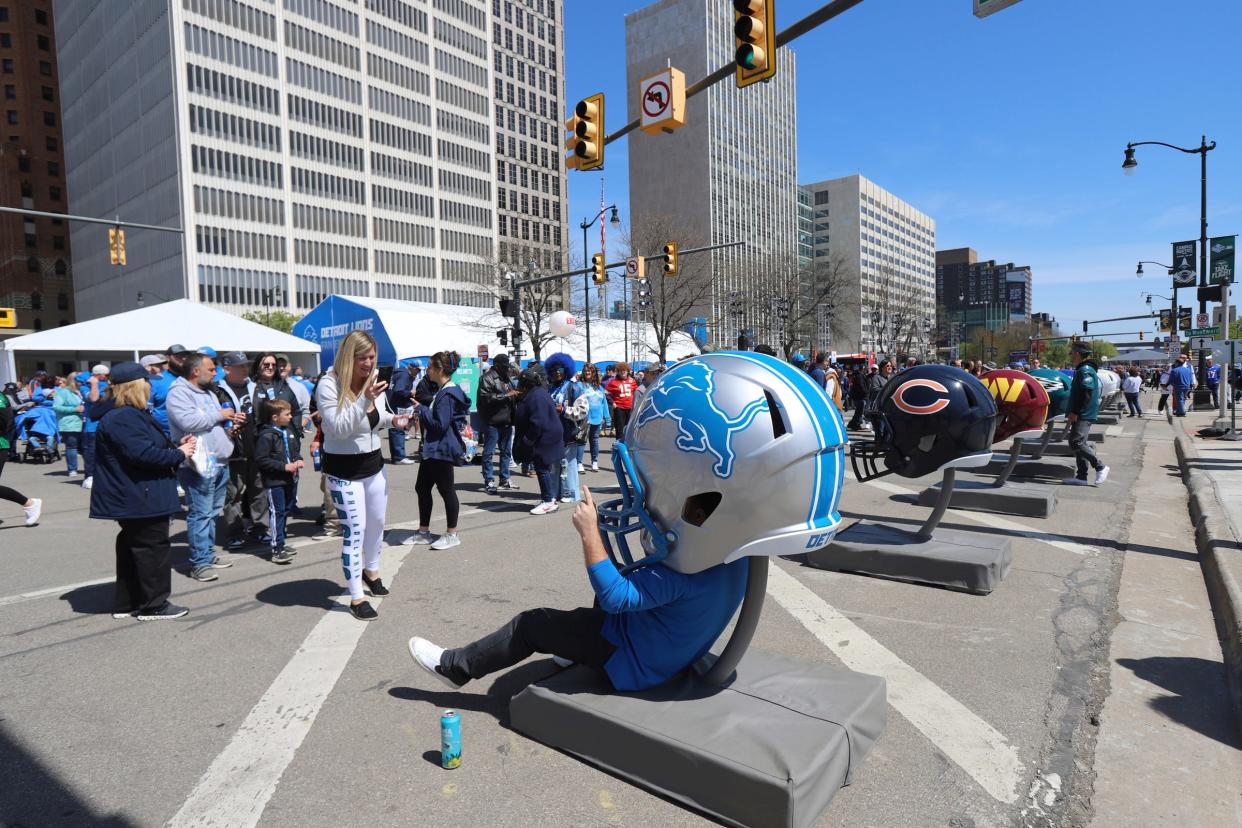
(165, 613)
(282, 556)
(490, 488)
(204, 573)
(235, 543)
(363, 611)
(376, 585)
(508, 486)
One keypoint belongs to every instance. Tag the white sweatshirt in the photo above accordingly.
(346, 429)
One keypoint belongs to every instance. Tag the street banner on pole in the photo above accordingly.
(1166, 320)
(1221, 269)
(1185, 271)
(1183, 319)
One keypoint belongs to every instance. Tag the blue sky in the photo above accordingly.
(1009, 130)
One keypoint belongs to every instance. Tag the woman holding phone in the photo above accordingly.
(353, 413)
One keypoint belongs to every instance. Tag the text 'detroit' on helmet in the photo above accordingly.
(728, 455)
(928, 418)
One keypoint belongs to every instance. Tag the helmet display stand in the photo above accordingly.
(950, 558)
(1000, 496)
(747, 738)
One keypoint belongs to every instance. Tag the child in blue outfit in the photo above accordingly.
(278, 453)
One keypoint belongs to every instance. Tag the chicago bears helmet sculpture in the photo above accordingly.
(925, 418)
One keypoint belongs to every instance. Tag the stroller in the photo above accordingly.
(37, 428)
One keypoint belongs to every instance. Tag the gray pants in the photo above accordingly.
(1084, 455)
(245, 501)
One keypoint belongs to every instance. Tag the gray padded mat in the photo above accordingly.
(770, 749)
(1022, 499)
(968, 561)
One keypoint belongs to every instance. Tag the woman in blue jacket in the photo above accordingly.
(68, 405)
(539, 436)
(136, 485)
(597, 416)
(442, 422)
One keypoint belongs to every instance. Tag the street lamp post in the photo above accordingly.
(586, 277)
(1202, 395)
(1173, 322)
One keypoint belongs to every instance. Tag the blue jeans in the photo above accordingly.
(547, 493)
(501, 435)
(569, 473)
(593, 439)
(204, 497)
(71, 440)
(88, 452)
(396, 444)
(1179, 401)
(279, 502)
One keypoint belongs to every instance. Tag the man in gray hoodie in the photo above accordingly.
(193, 409)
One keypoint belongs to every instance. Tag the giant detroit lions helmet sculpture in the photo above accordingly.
(728, 455)
(926, 418)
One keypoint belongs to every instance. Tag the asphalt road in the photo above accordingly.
(269, 700)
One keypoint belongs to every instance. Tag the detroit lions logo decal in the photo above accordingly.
(686, 395)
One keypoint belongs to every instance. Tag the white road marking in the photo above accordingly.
(240, 782)
(974, 745)
(997, 522)
(43, 593)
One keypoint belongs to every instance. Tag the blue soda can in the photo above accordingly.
(450, 739)
(317, 459)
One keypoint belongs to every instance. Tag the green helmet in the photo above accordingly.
(1058, 389)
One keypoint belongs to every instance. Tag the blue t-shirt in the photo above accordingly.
(90, 423)
(160, 383)
(660, 620)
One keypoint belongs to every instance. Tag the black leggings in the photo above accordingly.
(11, 495)
(437, 474)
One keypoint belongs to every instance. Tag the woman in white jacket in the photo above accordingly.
(354, 413)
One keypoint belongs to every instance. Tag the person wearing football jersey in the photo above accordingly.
(620, 390)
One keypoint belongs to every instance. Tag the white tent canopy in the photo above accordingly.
(419, 329)
(150, 330)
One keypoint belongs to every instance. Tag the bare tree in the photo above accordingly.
(898, 320)
(672, 302)
(797, 306)
(538, 304)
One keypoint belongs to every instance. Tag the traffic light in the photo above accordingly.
(1141, 336)
(116, 245)
(670, 259)
(754, 38)
(507, 308)
(502, 336)
(586, 141)
(600, 275)
(644, 293)
(1084, 326)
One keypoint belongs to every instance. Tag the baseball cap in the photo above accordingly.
(176, 349)
(231, 358)
(207, 350)
(128, 372)
(102, 370)
(154, 359)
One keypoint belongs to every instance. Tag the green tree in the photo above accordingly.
(280, 320)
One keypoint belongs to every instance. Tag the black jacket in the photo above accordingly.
(135, 466)
(539, 435)
(269, 455)
(494, 403)
(425, 391)
(278, 390)
(400, 389)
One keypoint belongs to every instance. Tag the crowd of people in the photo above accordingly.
(219, 436)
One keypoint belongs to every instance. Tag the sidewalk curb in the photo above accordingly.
(1220, 555)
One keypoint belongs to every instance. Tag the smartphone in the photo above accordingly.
(384, 374)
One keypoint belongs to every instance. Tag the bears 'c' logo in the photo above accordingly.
(899, 397)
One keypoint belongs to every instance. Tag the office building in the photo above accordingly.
(806, 227)
(977, 294)
(36, 274)
(305, 148)
(529, 98)
(730, 174)
(886, 248)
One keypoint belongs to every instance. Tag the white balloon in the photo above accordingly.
(562, 323)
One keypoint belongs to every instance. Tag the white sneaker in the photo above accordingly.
(567, 499)
(447, 541)
(418, 539)
(545, 508)
(427, 656)
(90, 481)
(405, 461)
(73, 474)
(33, 511)
(595, 467)
(1101, 475)
(581, 468)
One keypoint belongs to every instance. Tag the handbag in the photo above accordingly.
(203, 461)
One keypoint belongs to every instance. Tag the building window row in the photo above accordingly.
(325, 220)
(402, 13)
(514, 14)
(324, 116)
(231, 51)
(400, 169)
(451, 35)
(246, 93)
(454, 241)
(219, 241)
(323, 81)
(327, 186)
(404, 264)
(326, 151)
(326, 254)
(462, 126)
(398, 75)
(529, 230)
(218, 124)
(228, 204)
(480, 273)
(326, 13)
(311, 290)
(402, 232)
(402, 201)
(465, 214)
(236, 286)
(399, 106)
(408, 293)
(466, 185)
(466, 12)
(400, 138)
(462, 69)
(321, 46)
(455, 153)
(453, 94)
(236, 167)
(235, 14)
(396, 42)
(469, 298)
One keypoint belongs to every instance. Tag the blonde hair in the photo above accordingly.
(71, 383)
(134, 393)
(354, 346)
